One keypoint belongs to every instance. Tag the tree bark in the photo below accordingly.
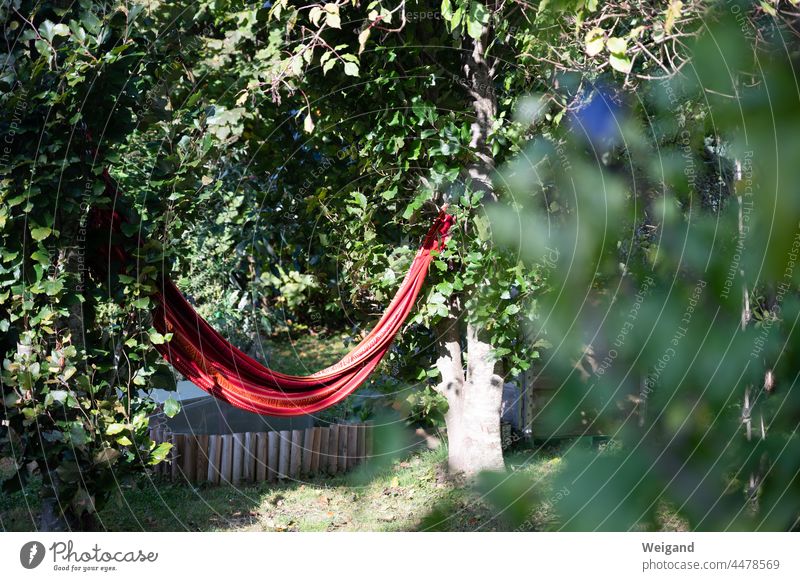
(474, 397)
(480, 77)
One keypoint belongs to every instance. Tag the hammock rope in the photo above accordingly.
(208, 360)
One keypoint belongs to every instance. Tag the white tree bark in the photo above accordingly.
(474, 399)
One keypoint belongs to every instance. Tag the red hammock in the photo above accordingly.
(201, 354)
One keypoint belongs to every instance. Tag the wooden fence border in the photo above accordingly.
(249, 457)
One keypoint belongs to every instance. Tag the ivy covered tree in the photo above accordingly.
(76, 347)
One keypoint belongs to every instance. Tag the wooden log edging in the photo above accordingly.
(252, 457)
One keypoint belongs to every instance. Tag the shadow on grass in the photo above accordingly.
(399, 490)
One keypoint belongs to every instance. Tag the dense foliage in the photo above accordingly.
(282, 160)
(680, 294)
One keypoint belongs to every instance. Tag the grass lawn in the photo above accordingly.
(302, 353)
(410, 494)
(400, 497)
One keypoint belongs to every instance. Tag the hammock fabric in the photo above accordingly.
(201, 354)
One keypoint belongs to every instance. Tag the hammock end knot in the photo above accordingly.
(440, 231)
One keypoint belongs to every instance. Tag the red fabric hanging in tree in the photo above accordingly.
(208, 360)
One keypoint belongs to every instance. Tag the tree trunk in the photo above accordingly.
(476, 444)
(474, 398)
(480, 77)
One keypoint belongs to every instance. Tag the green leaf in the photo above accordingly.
(386, 15)
(477, 11)
(114, 429)
(49, 30)
(40, 233)
(53, 287)
(57, 396)
(140, 377)
(474, 28)
(594, 41)
(77, 435)
(456, 20)
(141, 303)
(620, 63)
(91, 22)
(363, 36)
(41, 257)
(360, 199)
(482, 227)
(171, 407)
(129, 229)
(160, 453)
(617, 45)
(156, 338)
(476, 18)
(447, 10)
(61, 30)
(333, 21)
(332, 15)
(351, 69)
